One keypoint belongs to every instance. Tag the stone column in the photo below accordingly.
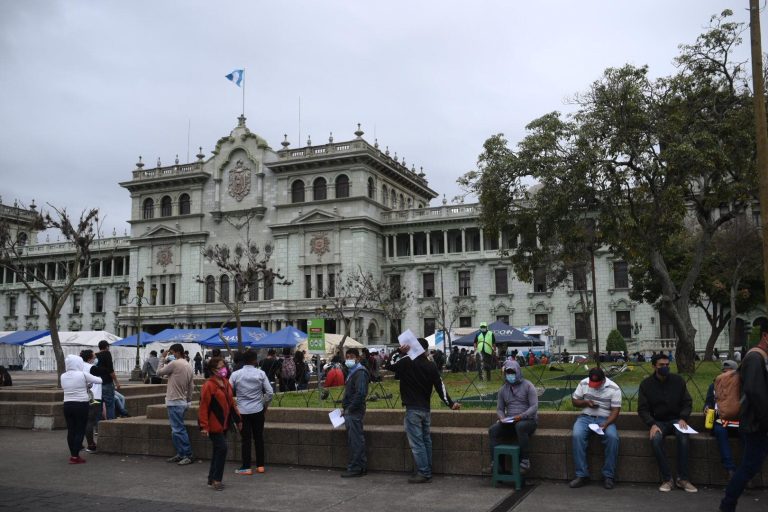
(463, 240)
(429, 242)
(410, 236)
(445, 242)
(386, 246)
(482, 241)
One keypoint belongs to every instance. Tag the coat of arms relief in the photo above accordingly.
(239, 181)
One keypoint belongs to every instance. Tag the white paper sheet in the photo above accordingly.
(509, 419)
(414, 347)
(688, 430)
(594, 427)
(337, 419)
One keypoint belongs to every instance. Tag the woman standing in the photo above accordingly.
(217, 411)
(75, 383)
(198, 363)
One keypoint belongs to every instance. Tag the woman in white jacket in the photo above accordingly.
(75, 383)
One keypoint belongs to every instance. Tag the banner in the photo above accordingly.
(316, 336)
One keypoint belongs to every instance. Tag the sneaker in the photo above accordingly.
(217, 486)
(76, 460)
(185, 461)
(667, 486)
(579, 481)
(525, 466)
(175, 458)
(91, 449)
(419, 479)
(260, 469)
(351, 474)
(608, 483)
(686, 486)
(244, 471)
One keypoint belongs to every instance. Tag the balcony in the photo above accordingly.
(430, 214)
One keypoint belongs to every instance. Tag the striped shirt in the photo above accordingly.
(606, 397)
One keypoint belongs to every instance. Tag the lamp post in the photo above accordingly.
(139, 299)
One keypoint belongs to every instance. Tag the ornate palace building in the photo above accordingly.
(321, 210)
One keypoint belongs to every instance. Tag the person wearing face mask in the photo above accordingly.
(355, 391)
(217, 412)
(517, 411)
(663, 402)
(600, 399)
(178, 398)
(484, 344)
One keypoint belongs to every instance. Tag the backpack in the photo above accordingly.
(728, 391)
(289, 368)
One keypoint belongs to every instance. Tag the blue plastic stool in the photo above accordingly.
(504, 450)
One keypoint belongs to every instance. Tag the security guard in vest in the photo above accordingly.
(484, 346)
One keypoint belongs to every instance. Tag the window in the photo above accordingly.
(503, 318)
(253, 291)
(11, 306)
(620, 274)
(149, 209)
(95, 268)
(755, 217)
(666, 327)
(403, 241)
(297, 191)
(76, 303)
(465, 289)
(490, 241)
(395, 288)
(210, 290)
(428, 284)
(624, 324)
(402, 202)
(184, 205)
(331, 285)
(307, 286)
(541, 319)
(320, 287)
(163, 291)
(342, 186)
(502, 284)
(384, 195)
(580, 277)
(319, 189)
(540, 280)
(99, 302)
(32, 306)
(465, 321)
(172, 296)
(429, 327)
(269, 286)
(107, 268)
(393, 200)
(224, 289)
(21, 238)
(581, 327)
(371, 189)
(472, 239)
(508, 239)
(166, 207)
(121, 297)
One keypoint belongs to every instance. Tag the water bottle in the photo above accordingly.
(709, 421)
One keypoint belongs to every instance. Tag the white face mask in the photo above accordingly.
(350, 363)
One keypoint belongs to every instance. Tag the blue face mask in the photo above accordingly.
(663, 371)
(511, 378)
(171, 358)
(350, 363)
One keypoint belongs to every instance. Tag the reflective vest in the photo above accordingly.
(485, 342)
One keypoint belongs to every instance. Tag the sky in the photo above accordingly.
(88, 86)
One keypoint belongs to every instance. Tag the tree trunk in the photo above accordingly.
(732, 329)
(239, 324)
(57, 350)
(685, 354)
(222, 337)
(713, 335)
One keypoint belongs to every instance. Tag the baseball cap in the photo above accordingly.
(596, 377)
(730, 365)
(483, 324)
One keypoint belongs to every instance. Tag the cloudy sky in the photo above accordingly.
(88, 86)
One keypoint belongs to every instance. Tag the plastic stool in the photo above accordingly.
(513, 451)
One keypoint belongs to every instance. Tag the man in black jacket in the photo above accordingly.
(355, 392)
(753, 420)
(417, 379)
(664, 405)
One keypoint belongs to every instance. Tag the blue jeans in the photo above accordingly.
(179, 430)
(610, 441)
(355, 442)
(721, 435)
(417, 423)
(668, 428)
(108, 397)
(755, 453)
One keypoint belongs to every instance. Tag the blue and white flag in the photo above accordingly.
(236, 76)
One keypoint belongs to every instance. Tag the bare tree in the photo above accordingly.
(391, 297)
(345, 297)
(48, 290)
(448, 311)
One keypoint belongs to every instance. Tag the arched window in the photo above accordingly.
(410, 203)
(342, 186)
(384, 195)
(371, 189)
(149, 208)
(224, 289)
(393, 200)
(21, 238)
(165, 206)
(319, 189)
(210, 289)
(402, 202)
(184, 206)
(297, 192)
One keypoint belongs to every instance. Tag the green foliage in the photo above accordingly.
(754, 337)
(615, 342)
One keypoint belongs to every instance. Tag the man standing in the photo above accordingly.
(108, 380)
(270, 365)
(254, 394)
(484, 343)
(150, 368)
(355, 391)
(753, 421)
(417, 379)
(517, 412)
(600, 398)
(664, 405)
(178, 398)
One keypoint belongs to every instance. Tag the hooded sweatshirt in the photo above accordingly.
(75, 380)
(519, 398)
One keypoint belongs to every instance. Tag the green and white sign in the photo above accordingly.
(316, 336)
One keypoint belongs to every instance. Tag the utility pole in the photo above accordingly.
(761, 139)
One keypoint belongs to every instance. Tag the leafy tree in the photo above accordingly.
(641, 156)
(615, 342)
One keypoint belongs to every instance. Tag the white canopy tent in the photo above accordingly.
(9, 354)
(456, 333)
(331, 342)
(38, 354)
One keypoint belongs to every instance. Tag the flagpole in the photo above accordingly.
(243, 92)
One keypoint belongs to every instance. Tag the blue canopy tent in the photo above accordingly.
(130, 341)
(504, 334)
(21, 337)
(184, 335)
(250, 336)
(285, 337)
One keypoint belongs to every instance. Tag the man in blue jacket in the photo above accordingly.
(355, 391)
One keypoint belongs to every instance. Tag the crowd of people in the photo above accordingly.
(239, 396)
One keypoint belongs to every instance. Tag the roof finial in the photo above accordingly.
(200, 155)
(33, 205)
(421, 172)
(177, 159)
(445, 201)
(139, 164)
(359, 133)
(330, 138)
(285, 142)
(309, 140)
(376, 143)
(387, 151)
(158, 163)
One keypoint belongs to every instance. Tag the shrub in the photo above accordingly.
(615, 342)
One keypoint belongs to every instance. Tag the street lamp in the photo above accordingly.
(139, 299)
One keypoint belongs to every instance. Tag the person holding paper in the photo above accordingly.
(664, 402)
(600, 399)
(517, 409)
(418, 377)
(355, 391)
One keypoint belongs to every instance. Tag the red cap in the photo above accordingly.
(596, 377)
